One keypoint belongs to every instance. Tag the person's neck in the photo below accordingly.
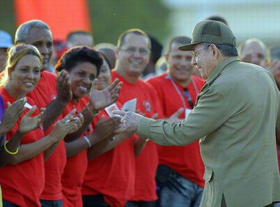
(131, 78)
(14, 92)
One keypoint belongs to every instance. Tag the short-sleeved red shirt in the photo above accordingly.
(23, 183)
(147, 161)
(112, 174)
(76, 166)
(185, 160)
(42, 95)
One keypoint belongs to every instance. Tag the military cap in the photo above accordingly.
(209, 31)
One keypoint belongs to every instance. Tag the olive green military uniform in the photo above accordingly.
(235, 116)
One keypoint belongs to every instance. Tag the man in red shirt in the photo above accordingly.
(54, 94)
(180, 173)
(133, 52)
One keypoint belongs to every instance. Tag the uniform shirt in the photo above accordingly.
(42, 95)
(185, 160)
(74, 171)
(112, 174)
(23, 183)
(236, 115)
(147, 161)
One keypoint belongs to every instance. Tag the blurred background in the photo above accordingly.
(107, 19)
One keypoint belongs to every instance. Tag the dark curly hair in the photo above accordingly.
(77, 55)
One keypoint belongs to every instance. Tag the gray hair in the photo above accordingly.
(24, 29)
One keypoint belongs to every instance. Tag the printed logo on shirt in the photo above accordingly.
(147, 106)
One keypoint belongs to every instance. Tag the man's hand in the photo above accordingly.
(105, 129)
(101, 99)
(64, 92)
(174, 118)
(29, 123)
(12, 113)
(129, 121)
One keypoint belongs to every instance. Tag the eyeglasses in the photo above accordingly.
(132, 50)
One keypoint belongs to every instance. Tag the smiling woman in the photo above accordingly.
(23, 70)
(83, 65)
(22, 74)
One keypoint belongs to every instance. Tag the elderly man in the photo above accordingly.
(235, 116)
(177, 90)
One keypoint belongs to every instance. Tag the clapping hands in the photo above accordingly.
(67, 125)
(29, 123)
(12, 113)
(99, 99)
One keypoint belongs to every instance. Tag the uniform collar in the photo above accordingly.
(219, 69)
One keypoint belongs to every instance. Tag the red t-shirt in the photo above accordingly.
(185, 160)
(42, 95)
(112, 174)
(147, 161)
(76, 166)
(23, 183)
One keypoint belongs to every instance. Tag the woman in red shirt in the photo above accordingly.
(83, 65)
(110, 176)
(22, 179)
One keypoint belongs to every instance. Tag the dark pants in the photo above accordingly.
(175, 190)
(140, 204)
(47, 203)
(8, 204)
(94, 200)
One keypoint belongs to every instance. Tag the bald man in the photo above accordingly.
(253, 51)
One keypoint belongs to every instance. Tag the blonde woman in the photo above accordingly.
(22, 178)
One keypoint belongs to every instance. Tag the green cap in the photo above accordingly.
(209, 31)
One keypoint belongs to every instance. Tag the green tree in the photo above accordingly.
(7, 18)
(109, 18)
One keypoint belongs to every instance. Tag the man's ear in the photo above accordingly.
(215, 51)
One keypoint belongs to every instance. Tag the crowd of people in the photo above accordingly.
(87, 124)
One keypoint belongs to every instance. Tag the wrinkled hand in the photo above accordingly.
(64, 92)
(106, 128)
(29, 123)
(99, 99)
(174, 118)
(129, 121)
(11, 115)
(67, 125)
(274, 68)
